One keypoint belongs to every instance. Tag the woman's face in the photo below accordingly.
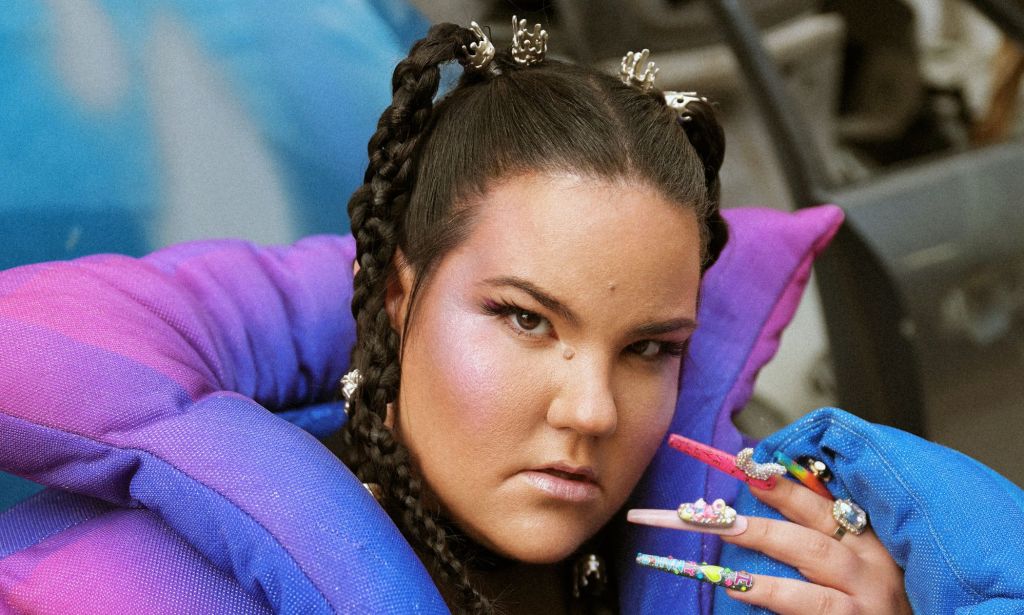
(540, 370)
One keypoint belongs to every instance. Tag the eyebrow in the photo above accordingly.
(544, 298)
(538, 295)
(667, 326)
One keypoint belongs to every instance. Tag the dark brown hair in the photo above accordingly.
(427, 163)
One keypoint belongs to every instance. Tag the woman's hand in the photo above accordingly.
(853, 575)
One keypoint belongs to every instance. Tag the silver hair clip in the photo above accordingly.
(479, 54)
(528, 48)
(631, 74)
(349, 383)
(680, 100)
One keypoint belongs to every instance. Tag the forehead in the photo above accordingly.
(586, 238)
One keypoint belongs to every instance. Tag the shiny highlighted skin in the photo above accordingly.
(708, 573)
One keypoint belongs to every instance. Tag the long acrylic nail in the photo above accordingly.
(716, 575)
(803, 475)
(672, 520)
(720, 460)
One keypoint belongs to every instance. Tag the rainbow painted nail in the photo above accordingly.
(803, 475)
(716, 575)
(717, 459)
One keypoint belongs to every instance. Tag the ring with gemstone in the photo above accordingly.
(849, 518)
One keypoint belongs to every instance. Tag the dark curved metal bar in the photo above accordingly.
(805, 176)
(876, 369)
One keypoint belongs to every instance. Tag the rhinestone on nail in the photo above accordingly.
(716, 514)
(760, 471)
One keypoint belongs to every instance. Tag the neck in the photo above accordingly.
(527, 588)
(513, 586)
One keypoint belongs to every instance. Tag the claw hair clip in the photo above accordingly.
(529, 47)
(633, 72)
(743, 467)
(478, 55)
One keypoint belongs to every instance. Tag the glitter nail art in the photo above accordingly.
(708, 573)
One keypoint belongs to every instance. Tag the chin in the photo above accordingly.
(546, 543)
(543, 556)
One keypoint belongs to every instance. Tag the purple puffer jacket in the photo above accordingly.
(172, 404)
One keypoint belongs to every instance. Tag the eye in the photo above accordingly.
(528, 321)
(647, 349)
(521, 321)
(525, 322)
(652, 349)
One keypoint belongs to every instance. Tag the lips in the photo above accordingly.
(570, 472)
(566, 475)
(566, 482)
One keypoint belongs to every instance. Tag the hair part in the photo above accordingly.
(553, 117)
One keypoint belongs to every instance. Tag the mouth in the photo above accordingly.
(569, 472)
(567, 475)
(565, 482)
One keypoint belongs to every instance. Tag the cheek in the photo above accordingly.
(473, 371)
(466, 375)
(646, 413)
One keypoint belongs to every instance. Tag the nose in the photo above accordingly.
(586, 401)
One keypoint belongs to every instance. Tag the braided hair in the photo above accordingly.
(429, 160)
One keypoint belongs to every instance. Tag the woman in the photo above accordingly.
(514, 375)
(529, 253)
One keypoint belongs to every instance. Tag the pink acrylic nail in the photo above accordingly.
(717, 459)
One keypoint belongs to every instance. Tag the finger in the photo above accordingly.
(804, 507)
(807, 509)
(792, 597)
(799, 504)
(818, 557)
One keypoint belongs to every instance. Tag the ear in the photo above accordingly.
(399, 292)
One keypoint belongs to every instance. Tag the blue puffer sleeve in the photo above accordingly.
(952, 524)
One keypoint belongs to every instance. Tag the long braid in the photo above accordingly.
(708, 139)
(376, 209)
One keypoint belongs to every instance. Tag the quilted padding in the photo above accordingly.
(156, 387)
